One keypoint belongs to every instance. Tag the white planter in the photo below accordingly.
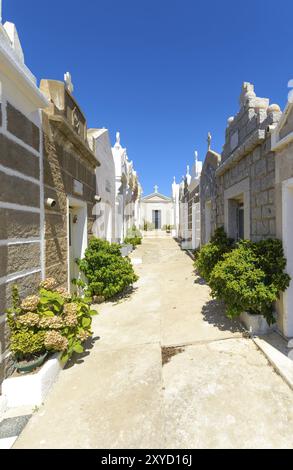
(31, 389)
(186, 245)
(256, 324)
(126, 250)
(3, 405)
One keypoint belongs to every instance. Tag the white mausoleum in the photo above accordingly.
(156, 211)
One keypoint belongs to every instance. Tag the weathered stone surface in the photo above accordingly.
(17, 158)
(20, 257)
(59, 197)
(208, 191)
(268, 182)
(59, 272)
(272, 228)
(18, 224)
(56, 251)
(272, 195)
(22, 127)
(64, 161)
(55, 226)
(263, 227)
(27, 193)
(260, 168)
(53, 176)
(268, 211)
(262, 198)
(252, 159)
(256, 154)
(27, 285)
(270, 162)
(256, 213)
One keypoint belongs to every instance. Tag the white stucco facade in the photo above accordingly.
(282, 144)
(186, 206)
(127, 192)
(175, 208)
(105, 180)
(156, 211)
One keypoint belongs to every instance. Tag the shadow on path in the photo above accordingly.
(214, 313)
(79, 358)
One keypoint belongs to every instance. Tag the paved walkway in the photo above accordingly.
(169, 371)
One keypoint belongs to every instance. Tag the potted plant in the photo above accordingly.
(52, 321)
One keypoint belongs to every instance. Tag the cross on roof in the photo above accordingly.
(209, 140)
(156, 188)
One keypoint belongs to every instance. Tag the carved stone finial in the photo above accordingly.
(118, 138)
(68, 82)
(209, 140)
(230, 120)
(187, 170)
(247, 93)
(174, 179)
(196, 155)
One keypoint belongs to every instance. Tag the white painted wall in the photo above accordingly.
(105, 176)
(157, 203)
(127, 214)
(175, 200)
(195, 226)
(79, 237)
(208, 226)
(287, 230)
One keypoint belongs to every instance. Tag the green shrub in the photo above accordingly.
(211, 253)
(52, 321)
(133, 232)
(107, 273)
(134, 241)
(250, 278)
(148, 226)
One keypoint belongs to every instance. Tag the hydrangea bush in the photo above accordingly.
(53, 321)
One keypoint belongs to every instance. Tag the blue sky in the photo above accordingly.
(163, 73)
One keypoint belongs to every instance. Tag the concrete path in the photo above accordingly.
(169, 371)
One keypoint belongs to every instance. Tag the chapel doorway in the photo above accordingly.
(157, 219)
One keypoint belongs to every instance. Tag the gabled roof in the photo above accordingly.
(158, 196)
